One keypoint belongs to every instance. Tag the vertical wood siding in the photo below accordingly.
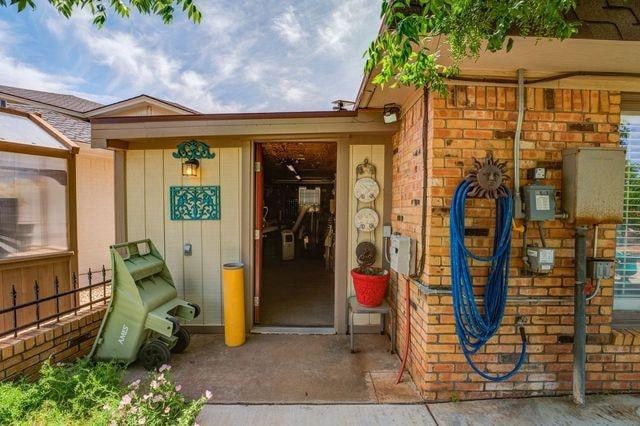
(197, 277)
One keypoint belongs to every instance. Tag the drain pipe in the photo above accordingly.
(579, 321)
(517, 200)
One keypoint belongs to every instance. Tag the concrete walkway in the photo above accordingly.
(286, 369)
(600, 410)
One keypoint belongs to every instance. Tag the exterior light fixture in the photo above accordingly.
(190, 167)
(391, 113)
(298, 177)
(290, 167)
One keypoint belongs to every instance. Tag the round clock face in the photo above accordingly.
(366, 220)
(366, 189)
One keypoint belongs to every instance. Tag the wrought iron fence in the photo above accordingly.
(87, 290)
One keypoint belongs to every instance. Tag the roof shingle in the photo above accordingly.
(69, 102)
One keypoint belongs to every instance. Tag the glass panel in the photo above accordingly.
(15, 128)
(627, 282)
(33, 205)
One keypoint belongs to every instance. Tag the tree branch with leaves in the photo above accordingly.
(415, 33)
(99, 9)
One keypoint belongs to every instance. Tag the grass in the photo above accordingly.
(93, 393)
(69, 394)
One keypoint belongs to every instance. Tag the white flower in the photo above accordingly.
(157, 398)
(135, 384)
(178, 388)
(167, 409)
(126, 399)
(164, 367)
(142, 421)
(208, 394)
(147, 396)
(161, 377)
(153, 384)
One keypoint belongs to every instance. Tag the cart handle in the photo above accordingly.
(131, 247)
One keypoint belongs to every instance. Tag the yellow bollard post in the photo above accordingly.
(233, 295)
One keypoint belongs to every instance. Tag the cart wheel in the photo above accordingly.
(196, 308)
(153, 354)
(176, 325)
(183, 341)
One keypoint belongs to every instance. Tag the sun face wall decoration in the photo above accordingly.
(487, 178)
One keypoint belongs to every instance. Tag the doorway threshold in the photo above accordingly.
(266, 329)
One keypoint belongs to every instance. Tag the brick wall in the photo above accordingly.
(467, 123)
(66, 340)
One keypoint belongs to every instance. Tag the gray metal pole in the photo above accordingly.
(579, 325)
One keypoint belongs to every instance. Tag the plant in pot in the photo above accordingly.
(370, 284)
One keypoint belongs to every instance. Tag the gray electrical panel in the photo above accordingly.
(593, 185)
(400, 259)
(600, 268)
(540, 259)
(539, 202)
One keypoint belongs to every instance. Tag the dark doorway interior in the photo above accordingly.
(298, 234)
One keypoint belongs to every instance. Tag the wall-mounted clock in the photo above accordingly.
(366, 220)
(366, 189)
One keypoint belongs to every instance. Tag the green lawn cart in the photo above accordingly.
(144, 314)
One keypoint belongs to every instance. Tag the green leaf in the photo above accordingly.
(461, 27)
(98, 9)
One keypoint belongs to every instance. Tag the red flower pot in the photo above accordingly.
(370, 289)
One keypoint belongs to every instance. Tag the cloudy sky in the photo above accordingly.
(246, 55)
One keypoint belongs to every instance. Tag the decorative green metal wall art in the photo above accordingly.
(193, 150)
(194, 202)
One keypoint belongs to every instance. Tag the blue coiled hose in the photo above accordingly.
(474, 329)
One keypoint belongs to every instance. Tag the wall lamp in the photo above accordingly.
(391, 113)
(190, 167)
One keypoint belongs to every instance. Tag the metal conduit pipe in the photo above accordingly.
(579, 325)
(517, 200)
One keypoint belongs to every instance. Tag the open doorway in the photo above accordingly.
(295, 197)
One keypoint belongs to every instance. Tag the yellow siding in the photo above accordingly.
(197, 277)
(376, 156)
(94, 200)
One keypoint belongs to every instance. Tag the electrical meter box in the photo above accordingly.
(599, 268)
(539, 202)
(593, 185)
(540, 259)
(400, 259)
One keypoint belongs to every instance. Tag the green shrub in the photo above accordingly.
(90, 393)
(63, 394)
(157, 401)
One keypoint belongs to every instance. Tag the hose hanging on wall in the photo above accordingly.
(474, 329)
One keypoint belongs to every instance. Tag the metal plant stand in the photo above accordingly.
(383, 310)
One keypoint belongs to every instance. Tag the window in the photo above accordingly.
(627, 281)
(33, 205)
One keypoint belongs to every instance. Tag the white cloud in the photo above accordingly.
(296, 91)
(144, 67)
(238, 59)
(288, 26)
(20, 74)
(341, 24)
